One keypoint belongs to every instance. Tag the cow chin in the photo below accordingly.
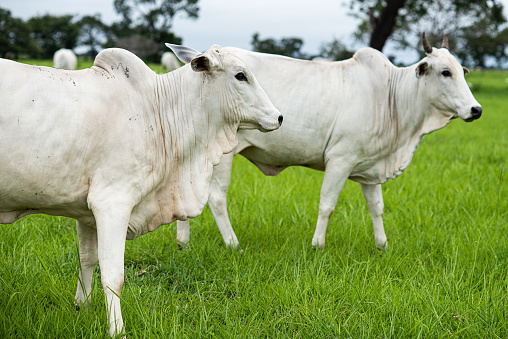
(263, 127)
(467, 116)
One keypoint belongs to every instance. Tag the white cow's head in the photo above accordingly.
(232, 88)
(445, 84)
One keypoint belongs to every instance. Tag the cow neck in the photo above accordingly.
(181, 99)
(410, 115)
(189, 140)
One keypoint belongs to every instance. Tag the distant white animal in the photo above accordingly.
(322, 59)
(119, 148)
(169, 62)
(360, 119)
(65, 59)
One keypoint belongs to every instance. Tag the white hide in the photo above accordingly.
(65, 59)
(119, 148)
(169, 62)
(360, 119)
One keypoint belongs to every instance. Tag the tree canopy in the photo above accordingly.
(286, 46)
(93, 33)
(477, 30)
(53, 32)
(402, 22)
(152, 19)
(15, 36)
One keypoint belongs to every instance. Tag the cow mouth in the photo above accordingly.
(264, 130)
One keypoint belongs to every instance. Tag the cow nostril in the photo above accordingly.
(280, 120)
(476, 111)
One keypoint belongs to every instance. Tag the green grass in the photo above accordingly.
(445, 274)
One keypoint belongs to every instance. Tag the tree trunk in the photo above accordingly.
(382, 27)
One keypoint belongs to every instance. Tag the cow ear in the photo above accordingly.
(421, 69)
(185, 54)
(200, 64)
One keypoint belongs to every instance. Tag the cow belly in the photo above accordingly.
(272, 152)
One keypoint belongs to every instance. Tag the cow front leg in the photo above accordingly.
(88, 258)
(112, 223)
(182, 233)
(374, 197)
(218, 199)
(333, 183)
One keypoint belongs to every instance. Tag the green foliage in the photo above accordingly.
(15, 36)
(152, 19)
(286, 46)
(474, 27)
(52, 33)
(335, 50)
(444, 275)
(93, 33)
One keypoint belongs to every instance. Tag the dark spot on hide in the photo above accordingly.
(125, 69)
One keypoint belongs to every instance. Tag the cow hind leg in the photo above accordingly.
(374, 197)
(335, 177)
(88, 260)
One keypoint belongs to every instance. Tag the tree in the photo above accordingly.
(286, 46)
(52, 33)
(14, 36)
(92, 33)
(152, 19)
(335, 50)
(402, 21)
(139, 45)
(481, 44)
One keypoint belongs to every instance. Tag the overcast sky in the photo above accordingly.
(231, 22)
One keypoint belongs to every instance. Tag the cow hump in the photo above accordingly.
(121, 63)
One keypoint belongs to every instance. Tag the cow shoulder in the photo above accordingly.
(122, 64)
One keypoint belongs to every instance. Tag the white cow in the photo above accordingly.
(65, 59)
(119, 148)
(360, 119)
(169, 62)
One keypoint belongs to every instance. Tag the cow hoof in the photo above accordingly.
(317, 247)
(81, 307)
(233, 248)
(183, 247)
(383, 247)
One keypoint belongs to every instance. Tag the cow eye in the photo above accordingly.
(447, 73)
(240, 77)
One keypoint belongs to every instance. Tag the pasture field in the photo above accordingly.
(444, 275)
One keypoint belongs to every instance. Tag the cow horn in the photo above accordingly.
(445, 42)
(426, 46)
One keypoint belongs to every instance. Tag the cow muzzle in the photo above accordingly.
(271, 124)
(476, 113)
